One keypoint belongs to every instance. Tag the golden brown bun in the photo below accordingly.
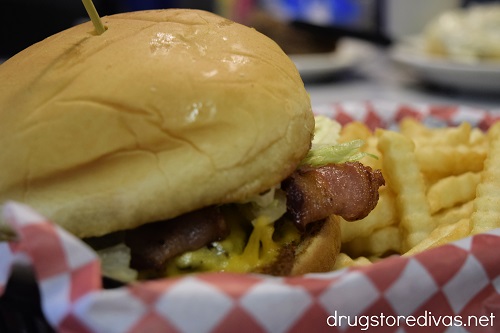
(166, 112)
(318, 252)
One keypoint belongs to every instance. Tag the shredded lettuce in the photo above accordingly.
(115, 262)
(339, 153)
(326, 131)
(326, 150)
(271, 204)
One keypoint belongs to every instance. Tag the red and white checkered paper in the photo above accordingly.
(459, 279)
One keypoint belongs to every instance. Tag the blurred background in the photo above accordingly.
(350, 43)
(23, 22)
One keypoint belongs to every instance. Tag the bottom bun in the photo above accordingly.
(316, 253)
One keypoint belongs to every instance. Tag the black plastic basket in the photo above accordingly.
(20, 310)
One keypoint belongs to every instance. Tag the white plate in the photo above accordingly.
(476, 77)
(316, 66)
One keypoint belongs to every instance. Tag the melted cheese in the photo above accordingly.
(238, 252)
(260, 250)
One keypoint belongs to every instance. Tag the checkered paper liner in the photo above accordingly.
(456, 281)
(387, 114)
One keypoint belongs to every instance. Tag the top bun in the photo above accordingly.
(166, 112)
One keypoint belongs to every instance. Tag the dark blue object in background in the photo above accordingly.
(322, 11)
(133, 5)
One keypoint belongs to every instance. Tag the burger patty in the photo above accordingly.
(153, 244)
(349, 190)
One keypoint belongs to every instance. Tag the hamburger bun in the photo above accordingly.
(166, 112)
(317, 251)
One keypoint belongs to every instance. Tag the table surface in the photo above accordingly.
(377, 77)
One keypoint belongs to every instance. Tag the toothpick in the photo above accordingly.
(94, 16)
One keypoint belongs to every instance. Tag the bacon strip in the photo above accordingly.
(348, 189)
(153, 244)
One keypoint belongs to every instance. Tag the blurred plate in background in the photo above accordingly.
(318, 66)
(468, 76)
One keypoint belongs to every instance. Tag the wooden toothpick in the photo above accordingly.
(94, 16)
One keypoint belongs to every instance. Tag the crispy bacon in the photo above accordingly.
(153, 244)
(348, 189)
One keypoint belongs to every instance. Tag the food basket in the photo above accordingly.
(51, 281)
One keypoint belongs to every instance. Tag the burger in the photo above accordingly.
(177, 141)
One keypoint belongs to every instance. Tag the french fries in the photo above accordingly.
(486, 214)
(424, 136)
(380, 242)
(447, 160)
(344, 260)
(402, 174)
(442, 235)
(442, 184)
(452, 191)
